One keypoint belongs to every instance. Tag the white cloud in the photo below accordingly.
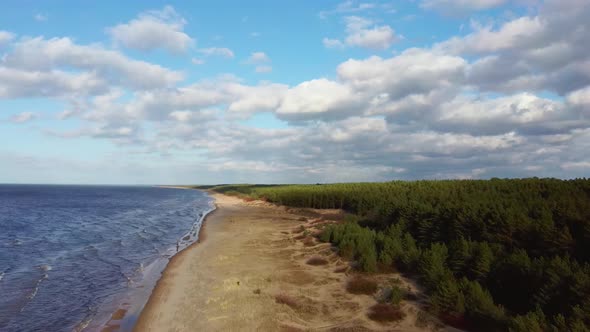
(521, 112)
(316, 99)
(24, 117)
(152, 30)
(6, 37)
(484, 39)
(332, 43)
(250, 99)
(361, 32)
(258, 57)
(40, 17)
(217, 51)
(260, 60)
(349, 6)
(415, 71)
(579, 165)
(16, 83)
(43, 57)
(380, 37)
(580, 97)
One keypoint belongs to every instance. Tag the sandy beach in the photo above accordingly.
(251, 272)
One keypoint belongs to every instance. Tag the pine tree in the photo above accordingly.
(448, 298)
(459, 256)
(482, 261)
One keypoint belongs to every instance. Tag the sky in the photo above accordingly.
(200, 92)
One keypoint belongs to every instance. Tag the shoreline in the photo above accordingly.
(126, 314)
(252, 271)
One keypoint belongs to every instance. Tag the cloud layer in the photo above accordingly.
(510, 99)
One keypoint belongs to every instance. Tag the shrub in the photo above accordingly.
(382, 313)
(397, 295)
(317, 261)
(360, 285)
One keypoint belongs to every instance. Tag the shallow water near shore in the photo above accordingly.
(70, 256)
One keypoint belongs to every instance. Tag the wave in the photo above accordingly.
(192, 235)
(45, 267)
(108, 251)
(36, 289)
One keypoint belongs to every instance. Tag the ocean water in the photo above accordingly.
(71, 255)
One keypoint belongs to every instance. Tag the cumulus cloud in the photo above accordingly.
(17, 83)
(524, 113)
(217, 51)
(258, 57)
(34, 64)
(153, 30)
(261, 62)
(317, 99)
(545, 52)
(415, 71)
(362, 32)
(580, 97)
(511, 34)
(251, 99)
(332, 43)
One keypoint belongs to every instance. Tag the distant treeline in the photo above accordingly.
(500, 254)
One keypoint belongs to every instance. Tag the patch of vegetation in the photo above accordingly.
(317, 261)
(397, 295)
(361, 285)
(384, 313)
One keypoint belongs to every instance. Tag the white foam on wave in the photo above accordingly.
(35, 290)
(45, 267)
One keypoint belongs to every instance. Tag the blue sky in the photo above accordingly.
(297, 91)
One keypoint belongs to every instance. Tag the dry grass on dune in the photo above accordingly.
(341, 269)
(286, 299)
(300, 237)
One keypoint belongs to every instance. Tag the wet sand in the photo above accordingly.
(251, 274)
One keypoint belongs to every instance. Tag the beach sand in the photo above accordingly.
(250, 273)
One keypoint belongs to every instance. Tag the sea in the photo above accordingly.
(70, 256)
